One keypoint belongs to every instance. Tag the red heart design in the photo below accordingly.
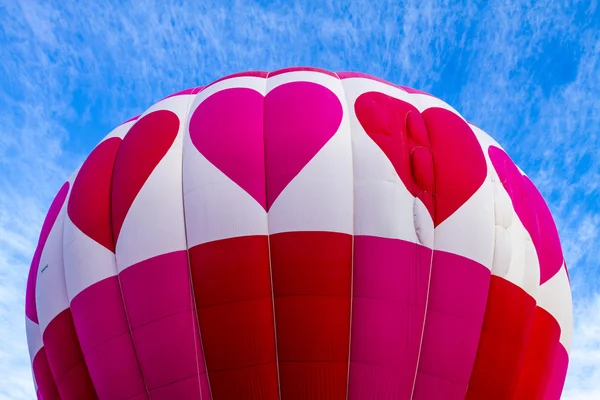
(533, 212)
(89, 203)
(262, 144)
(141, 150)
(435, 153)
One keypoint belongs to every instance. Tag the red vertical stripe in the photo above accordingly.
(538, 363)
(232, 285)
(506, 328)
(66, 359)
(312, 285)
(98, 311)
(159, 305)
(43, 376)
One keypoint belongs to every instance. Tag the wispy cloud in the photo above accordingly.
(525, 71)
(584, 373)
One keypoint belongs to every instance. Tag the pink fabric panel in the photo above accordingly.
(430, 387)
(235, 116)
(390, 291)
(455, 312)
(302, 117)
(186, 389)
(159, 304)
(532, 211)
(106, 342)
(55, 207)
(558, 374)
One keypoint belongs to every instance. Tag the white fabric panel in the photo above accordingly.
(423, 101)
(469, 232)
(554, 296)
(215, 206)
(515, 244)
(34, 338)
(51, 292)
(384, 207)
(154, 224)
(502, 252)
(321, 197)
(424, 228)
(120, 131)
(86, 262)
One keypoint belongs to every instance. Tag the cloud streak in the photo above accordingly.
(524, 71)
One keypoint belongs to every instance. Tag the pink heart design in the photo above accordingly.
(141, 150)
(89, 203)
(262, 144)
(227, 129)
(435, 153)
(533, 212)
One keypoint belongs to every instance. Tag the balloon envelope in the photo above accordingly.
(299, 234)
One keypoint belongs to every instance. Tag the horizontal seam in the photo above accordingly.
(388, 300)
(175, 381)
(233, 301)
(106, 341)
(159, 319)
(444, 379)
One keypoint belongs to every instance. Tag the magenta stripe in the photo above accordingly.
(455, 311)
(159, 305)
(390, 290)
(106, 342)
(558, 374)
(130, 119)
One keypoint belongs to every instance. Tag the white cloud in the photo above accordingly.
(72, 67)
(584, 372)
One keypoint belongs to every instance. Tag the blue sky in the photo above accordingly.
(526, 72)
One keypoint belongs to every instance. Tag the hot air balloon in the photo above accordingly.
(299, 234)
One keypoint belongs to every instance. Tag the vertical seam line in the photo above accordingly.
(197, 338)
(64, 275)
(353, 237)
(118, 275)
(434, 200)
(269, 238)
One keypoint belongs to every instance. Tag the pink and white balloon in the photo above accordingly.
(299, 234)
